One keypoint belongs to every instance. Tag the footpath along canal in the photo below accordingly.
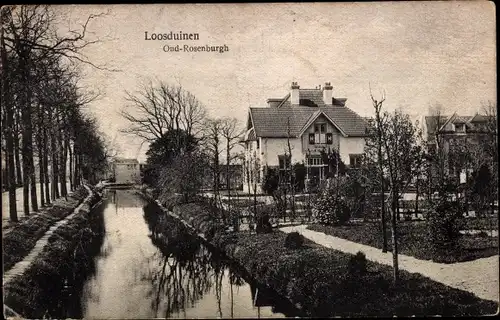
(181, 278)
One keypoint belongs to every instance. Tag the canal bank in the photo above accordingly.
(64, 249)
(326, 282)
(127, 273)
(20, 238)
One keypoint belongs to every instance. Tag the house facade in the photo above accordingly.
(298, 128)
(457, 131)
(126, 170)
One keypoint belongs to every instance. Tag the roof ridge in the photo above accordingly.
(285, 98)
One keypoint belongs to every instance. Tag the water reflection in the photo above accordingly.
(192, 275)
(140, 273)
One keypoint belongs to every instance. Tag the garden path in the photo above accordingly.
(479, 277)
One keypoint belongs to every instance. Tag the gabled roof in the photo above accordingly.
(315, 116)
(431, 122)
(272, 122)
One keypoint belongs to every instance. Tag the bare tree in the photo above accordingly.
(212, 142)
(231, 134)
(31, 37)
(8, 124)
(379, 122)
(157, 108)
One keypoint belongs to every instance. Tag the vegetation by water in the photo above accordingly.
(21, 237)
(189, 268)
(58, 269)
(326, 282)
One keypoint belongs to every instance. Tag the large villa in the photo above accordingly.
(312, 120)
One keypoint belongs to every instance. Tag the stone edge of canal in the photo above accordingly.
(298, 312)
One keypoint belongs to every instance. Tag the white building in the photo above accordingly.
(126, 170)
(313, 120)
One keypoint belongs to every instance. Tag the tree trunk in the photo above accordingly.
(398, 210)
(417, 189)
(9, 131)
(26, 136)
(382, 185)
(15, 135)
(39, 140)
(394, 241)
(55, 169)
(76, 167)
(46, 167)
(71, 179)
(63, 156)
(28, 130)
(228, 180)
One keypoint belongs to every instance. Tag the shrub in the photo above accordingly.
(357, 264)
(444, 224)
(331, 208)
(482, 234)
(263, 224)
(271, 181)
(294, 240)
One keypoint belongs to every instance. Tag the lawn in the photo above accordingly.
(320, 281)
(482, 223)
(413, 240)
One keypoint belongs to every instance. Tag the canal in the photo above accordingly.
(133, 276)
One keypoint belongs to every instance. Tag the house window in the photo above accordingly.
(284, 162)
(315, 161)
(320, 133)
(355, 160)
(311, 138)
(258, 144)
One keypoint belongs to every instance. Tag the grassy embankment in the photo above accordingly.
(22, 237)
(321, 281)
(62, 263)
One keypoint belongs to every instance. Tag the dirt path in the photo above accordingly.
(479, 277)
(20, 267)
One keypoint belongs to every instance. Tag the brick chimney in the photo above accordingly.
(327, 93)
(294, 96)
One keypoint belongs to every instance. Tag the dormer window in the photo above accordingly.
(320, 133)
(320, 136)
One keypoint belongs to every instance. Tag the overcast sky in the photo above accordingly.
(420, 53)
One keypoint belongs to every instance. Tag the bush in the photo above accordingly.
(271, 181)
(263, 224)
(331, 208)
(357, 264)
(294, 240)
(444, 224)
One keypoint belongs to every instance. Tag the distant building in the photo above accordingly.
(313, 121)
(126, 170)
(456, 129)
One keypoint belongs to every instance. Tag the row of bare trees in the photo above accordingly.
(43, 123)
(187, 147)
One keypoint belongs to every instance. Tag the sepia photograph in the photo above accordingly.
(250, 160)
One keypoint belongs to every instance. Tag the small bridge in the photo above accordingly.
(116, 185)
